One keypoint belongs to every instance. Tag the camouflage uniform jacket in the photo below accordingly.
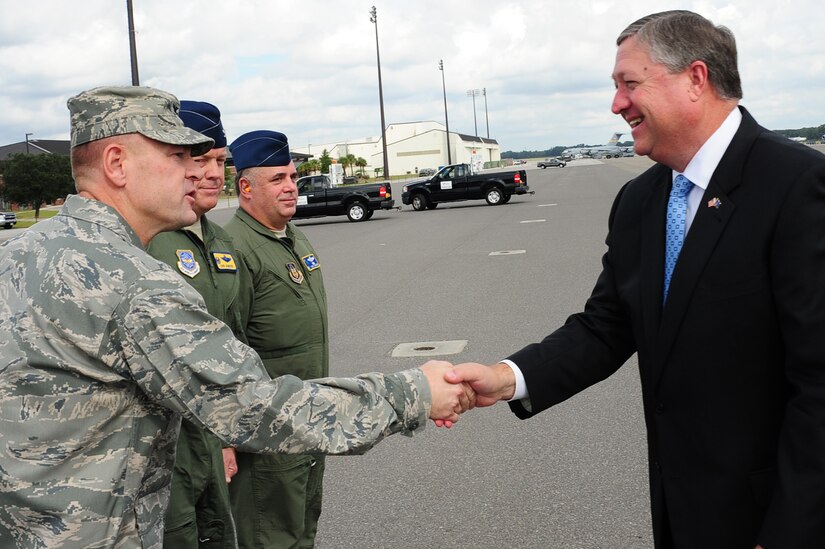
(102, 349)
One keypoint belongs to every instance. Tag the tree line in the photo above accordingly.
(811, 134)
(35, 179)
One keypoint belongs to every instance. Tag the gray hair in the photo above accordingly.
(247, 173)
(677, 38)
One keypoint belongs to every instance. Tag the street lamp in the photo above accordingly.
(374, 19)
(487, 118)
(132, 45)
(473, 93)
(27, 142)
(446, 120)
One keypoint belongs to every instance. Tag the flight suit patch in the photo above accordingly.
(187, 263)
(224, 262)
(311, 262)
(295, 274)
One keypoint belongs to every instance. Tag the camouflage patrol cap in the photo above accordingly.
(117, 110)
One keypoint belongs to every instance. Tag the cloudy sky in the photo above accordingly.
(308, 68)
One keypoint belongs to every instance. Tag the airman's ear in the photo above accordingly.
(244, 187)
(114, 163)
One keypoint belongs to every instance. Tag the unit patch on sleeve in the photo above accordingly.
(311, 262)
(187, 263)
(224, 262)
(295, 274)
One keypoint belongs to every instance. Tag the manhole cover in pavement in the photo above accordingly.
(429, 348)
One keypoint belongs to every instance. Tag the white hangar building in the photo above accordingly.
(410, 147)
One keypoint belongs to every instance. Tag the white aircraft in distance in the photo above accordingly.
(611, 149)
(798, 139)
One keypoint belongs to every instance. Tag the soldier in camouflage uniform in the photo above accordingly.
(200, 514)
(276, 499)
(103, 349)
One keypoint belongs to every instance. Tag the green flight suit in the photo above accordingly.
(199, 513)
(276, 499)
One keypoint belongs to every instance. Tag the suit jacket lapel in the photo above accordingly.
(651, 278)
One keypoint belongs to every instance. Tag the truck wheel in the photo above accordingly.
(432, 205)
(357, 211)
(419, 202)
(494, 196)
(368, 215)
(506, 198)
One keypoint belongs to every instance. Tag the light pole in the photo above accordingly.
(132, 45)
(374, 19)
(446, 119)
(487, 118)
(27, 142)
(473, 93)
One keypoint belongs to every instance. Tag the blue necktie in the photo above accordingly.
(675, 232)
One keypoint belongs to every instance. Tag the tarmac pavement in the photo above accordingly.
(572, 477)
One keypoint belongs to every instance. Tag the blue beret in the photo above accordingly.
(260, 148)
(204, 118)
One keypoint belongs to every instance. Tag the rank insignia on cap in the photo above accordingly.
(714, 203)
(224, 262)
(311, 262)
(187, 264)
(295, 273)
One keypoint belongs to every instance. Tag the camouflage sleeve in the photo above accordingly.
(189, 362)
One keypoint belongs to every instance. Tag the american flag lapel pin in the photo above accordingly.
(714, 203)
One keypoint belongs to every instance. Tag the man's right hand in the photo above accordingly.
(490, 383)
(230, 464)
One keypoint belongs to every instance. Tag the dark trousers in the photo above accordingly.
(199, 514)
(276, 500)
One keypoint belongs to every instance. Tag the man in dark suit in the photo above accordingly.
(731, 337)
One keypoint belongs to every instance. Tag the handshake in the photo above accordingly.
(456, 389)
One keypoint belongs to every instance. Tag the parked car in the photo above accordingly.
(9, 220)
(457, 182)
(551, 163)
(426, 172)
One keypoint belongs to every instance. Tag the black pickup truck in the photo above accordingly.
(455, 182)
(317, 197)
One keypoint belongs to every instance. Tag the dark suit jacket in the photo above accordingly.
(733, 368)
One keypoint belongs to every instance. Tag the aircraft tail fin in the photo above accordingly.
(615, 138)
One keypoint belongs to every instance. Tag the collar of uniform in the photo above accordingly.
(259, 228)
(97, 213)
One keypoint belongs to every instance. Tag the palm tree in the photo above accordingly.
(344, 163)
(351, 159)
(361, 163)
